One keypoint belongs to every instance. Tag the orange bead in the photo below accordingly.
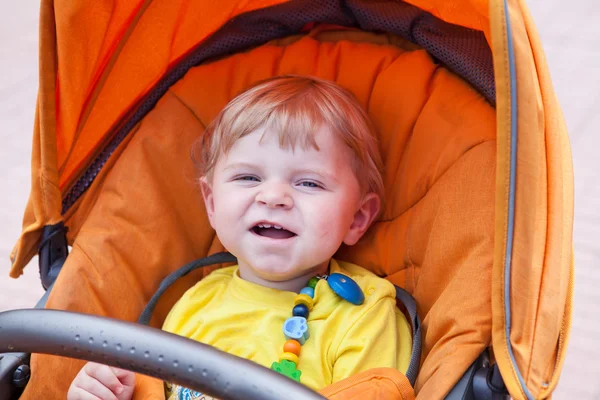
(292, 346)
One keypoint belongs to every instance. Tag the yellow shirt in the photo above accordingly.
(246, 319)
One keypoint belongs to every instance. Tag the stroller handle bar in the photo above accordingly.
(145, 350)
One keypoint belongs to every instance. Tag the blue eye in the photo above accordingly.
(310, 184)
(247, 178)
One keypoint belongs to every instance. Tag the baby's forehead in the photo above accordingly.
(322, 140)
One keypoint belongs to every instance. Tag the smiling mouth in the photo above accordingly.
(272, 231)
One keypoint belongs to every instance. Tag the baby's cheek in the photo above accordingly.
(337, 218)
(228, 236)
(331, 232)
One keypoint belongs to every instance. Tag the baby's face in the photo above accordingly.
(284, 213)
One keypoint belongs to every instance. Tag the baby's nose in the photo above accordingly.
(275, 196)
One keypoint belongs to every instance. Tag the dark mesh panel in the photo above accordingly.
(464, 51)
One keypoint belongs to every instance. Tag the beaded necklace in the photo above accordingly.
(295, 328)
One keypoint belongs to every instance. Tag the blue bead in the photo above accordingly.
(300, 311)
(346, 288)
(309, 291)
(296, 328)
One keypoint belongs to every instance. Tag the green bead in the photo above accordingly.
(287, 368)
(312, 282)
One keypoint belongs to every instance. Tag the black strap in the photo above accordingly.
(415, 358)
(52, 252)
(218, 258)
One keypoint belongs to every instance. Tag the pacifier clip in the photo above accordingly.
(295, 328)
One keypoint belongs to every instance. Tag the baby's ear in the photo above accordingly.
(209, 202)
(363, 218)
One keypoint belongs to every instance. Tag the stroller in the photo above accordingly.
(477, 224)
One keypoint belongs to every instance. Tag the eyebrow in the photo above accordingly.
(240, 165)
(324, 174)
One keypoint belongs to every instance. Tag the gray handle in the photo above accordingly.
(145, 350)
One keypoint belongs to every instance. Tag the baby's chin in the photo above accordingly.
(276, 272)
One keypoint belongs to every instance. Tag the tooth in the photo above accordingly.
(267, 225)
(277, 227)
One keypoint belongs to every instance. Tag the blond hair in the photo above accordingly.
(295, 107)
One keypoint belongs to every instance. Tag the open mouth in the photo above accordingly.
(272, 231)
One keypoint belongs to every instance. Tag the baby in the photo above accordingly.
(289, 170)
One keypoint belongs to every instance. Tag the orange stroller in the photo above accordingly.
(477, 224)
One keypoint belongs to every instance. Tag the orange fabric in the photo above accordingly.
(378, 383)
(437, 138)
(101, 24)
(541, 267)
(147, 388)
